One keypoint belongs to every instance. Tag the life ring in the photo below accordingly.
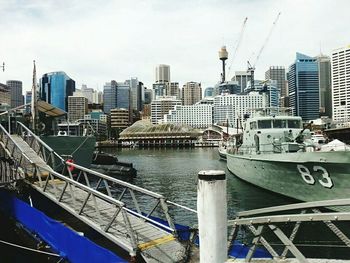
(70, 167)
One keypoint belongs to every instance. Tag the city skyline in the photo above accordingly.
(119, 40)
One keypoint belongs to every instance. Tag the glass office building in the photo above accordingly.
(109, 96)
(304, 88)
(55, 87)
(123, 96)
(116, 95)
(208, 92)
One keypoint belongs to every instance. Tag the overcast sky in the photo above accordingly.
(97, 41)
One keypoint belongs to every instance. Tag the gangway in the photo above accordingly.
(121, 212)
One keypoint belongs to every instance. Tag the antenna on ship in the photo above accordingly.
(34, 99)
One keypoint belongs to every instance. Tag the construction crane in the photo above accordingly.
(251, 68)
(239, 40)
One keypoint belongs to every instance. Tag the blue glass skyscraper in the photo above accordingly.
(116, 95)
(304, 88)
(109, 96)
(55, 87)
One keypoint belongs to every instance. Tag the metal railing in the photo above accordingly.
(14, 162)
(49, 156)
(284, 222)
(50, 185)
(125, 192)
(98, 187)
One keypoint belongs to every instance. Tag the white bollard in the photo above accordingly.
(212, 216)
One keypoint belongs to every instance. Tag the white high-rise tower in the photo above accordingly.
(163, 73)
(341, 84)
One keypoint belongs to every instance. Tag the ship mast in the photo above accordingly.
(34, 99)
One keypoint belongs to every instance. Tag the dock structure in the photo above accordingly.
(126, 214)
(113, 208)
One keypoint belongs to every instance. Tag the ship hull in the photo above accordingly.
(306, 176)
(81, 148)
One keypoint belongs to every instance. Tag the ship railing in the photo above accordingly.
(13, 162)
(284, 222)
(146, 204)
(49, 156)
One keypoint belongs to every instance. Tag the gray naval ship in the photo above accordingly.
(274, 152)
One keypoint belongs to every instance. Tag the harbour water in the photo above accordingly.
(173, 173)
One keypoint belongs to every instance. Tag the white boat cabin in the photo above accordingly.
(272, 134)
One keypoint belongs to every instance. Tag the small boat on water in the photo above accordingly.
(108, 164)
(276, 153)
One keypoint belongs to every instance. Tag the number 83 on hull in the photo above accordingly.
(306, 176)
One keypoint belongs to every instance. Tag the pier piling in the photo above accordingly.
(212, 216)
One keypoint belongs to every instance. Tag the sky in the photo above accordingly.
(98, 41)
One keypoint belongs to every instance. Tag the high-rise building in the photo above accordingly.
(162, 85)
(148, 96)
(163, 73)
(278, 74)
(269, 88)
(226, 88)
(109, 96)
(303, 85)
(191, 93)
(232, 108)
(242, 77)
(133, 85)
(325, 83)
(137, 95)
(123, 95)
(116, 95)
(341, 84)
(208, 92)
(140, 96)
(99, 97)
(77, 108)
(55, 88)
(89, 93)
(28, 99)
(196, 116)
(16, 92)
(162, 106)
(173, 89)
(159, 89)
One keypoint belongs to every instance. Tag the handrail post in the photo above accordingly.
(166, 212)
(131, 233)
(212, 216)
